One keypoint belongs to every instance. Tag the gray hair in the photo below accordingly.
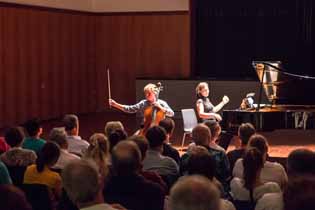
(80, 179)
(194, 193)
(59, 136)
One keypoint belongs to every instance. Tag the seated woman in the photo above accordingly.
(251, 187)
(40, 173)
(205, 109)
(98, 151)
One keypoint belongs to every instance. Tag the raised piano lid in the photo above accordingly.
(283, 88)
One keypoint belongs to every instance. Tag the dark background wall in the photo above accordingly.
(228, 35)
(54, 61)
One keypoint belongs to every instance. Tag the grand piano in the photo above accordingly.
(291, 101)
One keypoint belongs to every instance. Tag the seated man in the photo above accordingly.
(34, 130)
(155, 161)
(76, 144)
(168, 124)
(127, 186)
(85, 194)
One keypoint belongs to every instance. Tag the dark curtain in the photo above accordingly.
(228, 35)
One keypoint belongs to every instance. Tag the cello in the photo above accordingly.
(152, 115)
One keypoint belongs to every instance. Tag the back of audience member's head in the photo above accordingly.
(14, 137)
(259, 142)
(156, 136)
(59, 136)
(98, 151)
(115, 137)
(201, 162)
(112, 126)
(300, 193)
(141, 142)
(201, 135)
(12, 198)
(81, 180)
(253, 162)
(33, 127)
(168, 124)
(301, 161)
(126, 158)
(215, 128)
(71, 123)
(245, 131)
(194, 193)
(48, 156)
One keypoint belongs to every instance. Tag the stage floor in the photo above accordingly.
(281, 142)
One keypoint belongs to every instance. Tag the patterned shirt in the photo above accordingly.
(143, 104)
(18, 157)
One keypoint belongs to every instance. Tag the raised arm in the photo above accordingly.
(128, 108)
(224, 101)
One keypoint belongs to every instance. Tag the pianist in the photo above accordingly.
(205, 109)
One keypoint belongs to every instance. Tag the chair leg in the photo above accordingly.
(183, 141)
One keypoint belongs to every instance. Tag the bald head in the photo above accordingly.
(201, 135)
(194, 193)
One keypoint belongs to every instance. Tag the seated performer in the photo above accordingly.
(205, 109)
(153, 109)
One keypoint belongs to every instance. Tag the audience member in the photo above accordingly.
(194, 193)
(245, 131)
(298, 195)
(127, 186)
(251, 187)
(3, 145)
(300, 162)
(84, 186)
(112, 126)
(271, 172)
(34, 130)
(201, 136)
(16, 155)
(202, 163)
(169, 125)
(215, 130)
(115, 137)
(76, 144)
(4, 175)
(143, 145)
(98, 151)
(40, 173)
(155, 161)
(59, 136)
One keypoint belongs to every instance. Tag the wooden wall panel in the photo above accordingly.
(45, 63)
(152, 45)
(1, 66)
(54, 62)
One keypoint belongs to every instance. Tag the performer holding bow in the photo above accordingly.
(205, 109)
(153, 109)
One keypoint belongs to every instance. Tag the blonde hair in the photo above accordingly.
(98, 151)
(150, 88)
(200, 87)
(112, 126)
